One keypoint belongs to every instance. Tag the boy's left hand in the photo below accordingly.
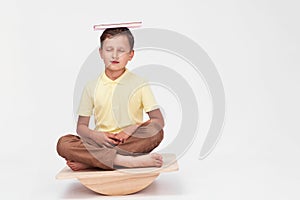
(122, 136)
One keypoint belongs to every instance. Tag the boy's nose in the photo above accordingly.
(115, 55)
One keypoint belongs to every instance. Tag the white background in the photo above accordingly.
(254, 45)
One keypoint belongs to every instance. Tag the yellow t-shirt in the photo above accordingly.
(117, 103)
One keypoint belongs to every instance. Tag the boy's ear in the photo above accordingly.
(131, 54)
(100, 52)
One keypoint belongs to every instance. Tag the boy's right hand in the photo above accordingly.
(106, 139)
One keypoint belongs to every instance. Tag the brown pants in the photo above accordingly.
(72, 147)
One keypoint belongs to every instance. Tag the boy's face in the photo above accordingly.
(116, 52)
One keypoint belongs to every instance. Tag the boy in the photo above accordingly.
(117, 99)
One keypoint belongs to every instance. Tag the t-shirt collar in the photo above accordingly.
(107, 80)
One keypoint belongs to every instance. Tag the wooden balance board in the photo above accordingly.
(121, 181)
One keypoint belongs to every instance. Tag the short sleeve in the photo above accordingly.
(86, 105)
(148, 100)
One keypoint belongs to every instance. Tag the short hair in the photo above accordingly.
(111, 32)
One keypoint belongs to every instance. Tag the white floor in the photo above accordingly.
(239, 175)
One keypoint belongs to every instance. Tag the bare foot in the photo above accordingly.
(76, 166)
(149, 160)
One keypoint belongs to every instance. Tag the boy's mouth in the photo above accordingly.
(114, 62)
